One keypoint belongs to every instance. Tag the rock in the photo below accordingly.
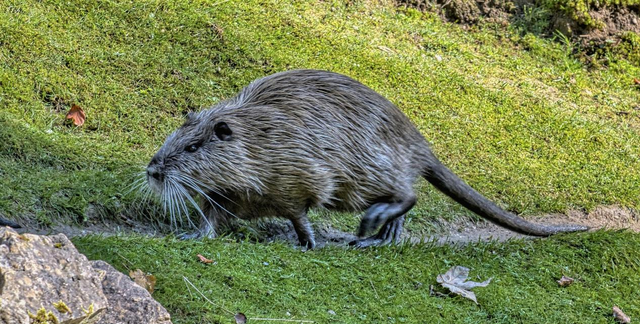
(37, 271)
(128, 302)
(46, 275)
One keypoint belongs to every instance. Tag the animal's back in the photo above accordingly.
(357, 145)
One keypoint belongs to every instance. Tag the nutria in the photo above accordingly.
(306, 138)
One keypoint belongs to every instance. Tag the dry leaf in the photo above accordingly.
(145, 281)
(565, 281)
(620, 316)
(240, 318)
(455, 281)
(204, 260)
(217, 30)
(77, 115)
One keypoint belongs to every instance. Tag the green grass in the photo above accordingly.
(386, 285)
(517, 117)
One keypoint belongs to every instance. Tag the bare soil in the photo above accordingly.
(616, 19)
(461, 232)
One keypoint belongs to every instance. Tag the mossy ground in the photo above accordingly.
(385, 285)
(518, 117)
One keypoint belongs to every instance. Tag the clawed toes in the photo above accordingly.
(307, 244)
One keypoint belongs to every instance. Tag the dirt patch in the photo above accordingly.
(602, 217)
(466, 231)
(461, 232)
(466, 12)
(613, 23)
(610, 217)
(601, 27)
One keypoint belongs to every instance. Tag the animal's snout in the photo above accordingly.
(154, 172)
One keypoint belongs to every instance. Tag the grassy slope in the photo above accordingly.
(530, 129)
(386, 285)
(515, 116)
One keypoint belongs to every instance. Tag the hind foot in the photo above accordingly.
(388, 234)
(383, 213)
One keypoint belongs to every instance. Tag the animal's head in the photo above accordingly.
(203, 157)
(191, 151)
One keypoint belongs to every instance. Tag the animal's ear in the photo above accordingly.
(222, 131)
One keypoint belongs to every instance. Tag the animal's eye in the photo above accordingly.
(191, 148)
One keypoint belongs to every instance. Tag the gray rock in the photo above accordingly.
(128, 302)
(39, 271)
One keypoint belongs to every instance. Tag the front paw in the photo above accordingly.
(308, 244)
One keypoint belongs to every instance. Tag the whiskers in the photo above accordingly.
(141, 189)
(188, 182)
(139, 185)
(175, 194)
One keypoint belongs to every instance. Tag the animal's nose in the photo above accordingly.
(154, 172)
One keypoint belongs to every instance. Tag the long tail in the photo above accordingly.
(449, 183)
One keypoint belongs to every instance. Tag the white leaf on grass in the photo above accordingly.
(620, 316)
(456, 281)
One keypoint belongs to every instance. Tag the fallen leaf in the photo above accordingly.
(620, 316)
(77, 115)
(565, 281)
(455, 281)
(143, 280)
(433, 292)
(217, 30)
(204, 260)
(240, 318)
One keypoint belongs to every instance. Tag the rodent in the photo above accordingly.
(305, 139)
